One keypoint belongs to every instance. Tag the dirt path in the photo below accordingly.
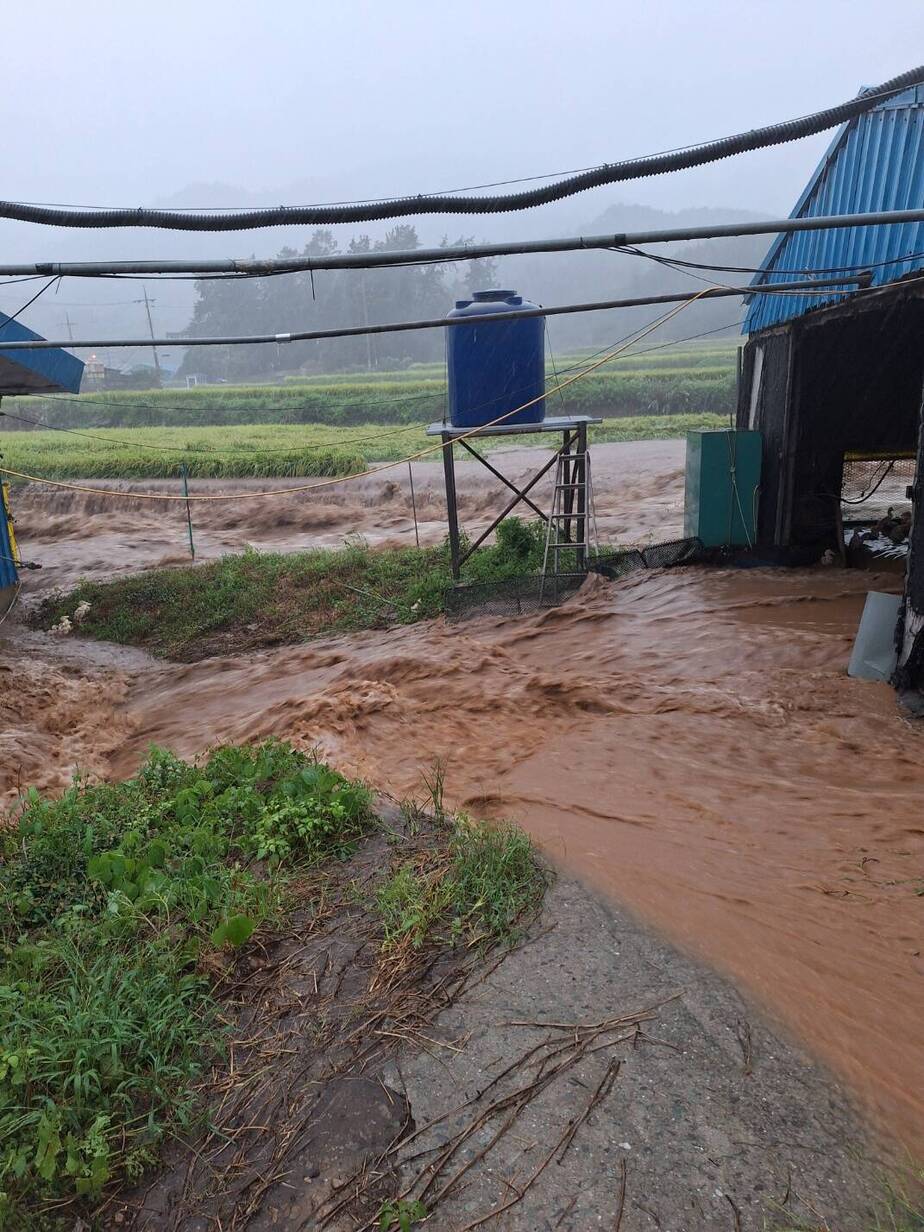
(708, 1121)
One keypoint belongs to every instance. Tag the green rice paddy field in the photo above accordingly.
(337, 424)
(259, 449)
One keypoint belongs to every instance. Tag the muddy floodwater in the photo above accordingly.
(687, 742)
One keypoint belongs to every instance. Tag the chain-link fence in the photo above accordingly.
(524, 596)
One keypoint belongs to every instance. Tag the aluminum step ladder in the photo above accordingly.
(572, 506)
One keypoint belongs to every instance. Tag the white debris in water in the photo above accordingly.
(62, 628)
(80, 612)
(880, 545)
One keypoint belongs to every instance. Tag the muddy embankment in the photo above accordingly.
(639, 496)
(686, 742)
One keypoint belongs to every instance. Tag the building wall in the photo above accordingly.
(843, 379)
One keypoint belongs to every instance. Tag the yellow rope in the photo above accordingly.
(375, 470)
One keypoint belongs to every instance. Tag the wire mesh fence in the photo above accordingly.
(872, 486)
(524, 596)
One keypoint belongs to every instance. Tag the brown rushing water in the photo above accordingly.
(687, 742)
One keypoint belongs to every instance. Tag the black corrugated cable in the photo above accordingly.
(608, 173)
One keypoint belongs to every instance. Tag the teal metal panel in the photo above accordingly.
(722, 482)
(876, 162)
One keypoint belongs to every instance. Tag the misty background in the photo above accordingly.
(218, 105)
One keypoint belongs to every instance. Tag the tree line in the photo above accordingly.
(329, 299)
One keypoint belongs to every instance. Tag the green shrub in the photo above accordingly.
(490, 880)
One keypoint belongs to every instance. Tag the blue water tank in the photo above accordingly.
(496, 366)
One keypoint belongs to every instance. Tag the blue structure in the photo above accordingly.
(28, 372)
(876, 162)
(8, 574)
(495, 367)
(35, 372)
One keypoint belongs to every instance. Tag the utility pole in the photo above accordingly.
(362, 287)
(147, 308)
(69, 326)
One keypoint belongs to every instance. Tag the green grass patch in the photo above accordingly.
(477, 888)
(899, 1207)
(114, 897)
(283, 450)
(258, 599)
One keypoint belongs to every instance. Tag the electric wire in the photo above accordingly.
(636, 336)
(608, 173)
(12, 603)
(446, 254)
(441, 192)
(29, 302)
(718, 291)
(90, 430)
(679, 264)
(88, 400)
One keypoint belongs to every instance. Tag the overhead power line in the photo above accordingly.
(13, 316)
(398, 207)
(254, 268)
(677, 264)
(809, 287)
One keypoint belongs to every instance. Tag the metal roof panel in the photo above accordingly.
(876, 162)
(35, 372)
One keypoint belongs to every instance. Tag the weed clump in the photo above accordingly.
(118, 900)
(476, 887)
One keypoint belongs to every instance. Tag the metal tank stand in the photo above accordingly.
(573, 431)
(572, 502)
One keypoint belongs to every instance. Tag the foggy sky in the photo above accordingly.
(126, 103)
(201, 102)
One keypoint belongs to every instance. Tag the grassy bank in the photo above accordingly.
(270, 450)
(125, 909)
(264, 599)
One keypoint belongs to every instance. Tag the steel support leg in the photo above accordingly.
(582, 496)
(452, 508)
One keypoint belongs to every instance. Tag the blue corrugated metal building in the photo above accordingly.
(28, 372)
(830, 376)
(876, 162)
